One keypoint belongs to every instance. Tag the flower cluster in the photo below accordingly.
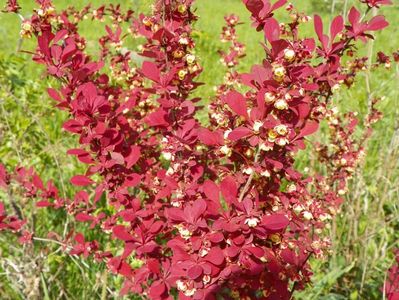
(205, 211)
(228, 34)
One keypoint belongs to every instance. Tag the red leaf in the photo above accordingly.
(197, 210)
(72, 126)
(254, 6)
(258, 252)
(211, 190)
(276, 222)
(3, 176)
(133, 156)
(81, 180)
(157, 290)
(151, 71)
(82, 217)
(195, 272)
(121, 233)
(54, 94)
(132, 180)
(60, 35)
(229, 189)
(237, 103)
(272, 30)
(354, 16)
(309, 128)
(215, 256)
(175, 214)
(239, 133)
(125, 269)
(216, 237)
(210, 138)
(278, 4)
(157, 118)
(43, 203)
(98, 192)
(337, 26)
(117, 158)
(79, 238)
(2, 209)
(82, 155)
(37, 182)
(318, 26)
(377, 23)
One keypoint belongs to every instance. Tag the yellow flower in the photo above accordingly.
(279, 73)
(178, 54)
(275, 238)
(272, 135)
(146, 21)
(182, 74)
(182, 8)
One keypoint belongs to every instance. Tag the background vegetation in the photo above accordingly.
(363, 235)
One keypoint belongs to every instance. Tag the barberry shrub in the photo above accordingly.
(184, 209)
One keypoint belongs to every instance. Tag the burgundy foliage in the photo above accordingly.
(209, 211)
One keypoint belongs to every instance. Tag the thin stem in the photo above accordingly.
(250, 178)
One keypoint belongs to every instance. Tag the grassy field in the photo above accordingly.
(363, 235)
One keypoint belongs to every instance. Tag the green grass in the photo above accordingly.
(362, 236)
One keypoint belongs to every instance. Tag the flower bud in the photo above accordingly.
(181, 286)
(265, 173)
(147, 21)
(251, 222)
(167, 155)
(184, 232)
(279, 73)
(257, 126)
(190, 58)
(335, 88)
(183, 41)
(206, 279)
(281, 104)
(41, 12)
(291, 188)
(272, 135)
(50, 10)
(265, 147)
(190, 292)
(226, 150)
(178, 54)
(182, 8)
(281, 129)
(275, 238)
(281, 142)
(248, 171)
(289, 55)
(182, 74)
(269, 97)
(249, 153)
(226, 134)
(298, 208)
(307, 215)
